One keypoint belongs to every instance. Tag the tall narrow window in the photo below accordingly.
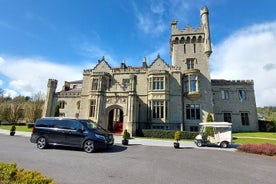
(190, 63)
(194, 48)
(193, 111)
(92, 108)
(193, 83)
(184, 48)
(244, 119)
(95, 83)
(78, 105)
(227, 117)
(242, 95)
(62, 104)
(224, 94)
(190, 83)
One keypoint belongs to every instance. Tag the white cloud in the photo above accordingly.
(95, 53)
(28, 76)
(151, 21)
(249, 54)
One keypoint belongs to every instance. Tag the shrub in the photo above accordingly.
(125, 134)
(262, 149)
(177, 135)
(9, 173)
(168, 134)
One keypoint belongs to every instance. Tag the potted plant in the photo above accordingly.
(12, 131)
(125, 137)
(177, 138)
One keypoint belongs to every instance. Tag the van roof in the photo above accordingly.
(216, 124)
(58, 118)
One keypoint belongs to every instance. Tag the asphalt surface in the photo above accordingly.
(138, 163)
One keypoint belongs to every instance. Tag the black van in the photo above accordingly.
(82, 133)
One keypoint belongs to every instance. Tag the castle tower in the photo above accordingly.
(205, 22)
(190, 51)
(51, 89)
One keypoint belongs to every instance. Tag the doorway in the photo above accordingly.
(115, 121)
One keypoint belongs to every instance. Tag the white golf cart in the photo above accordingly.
(214, 133)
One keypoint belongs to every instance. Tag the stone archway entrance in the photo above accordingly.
(115, 121)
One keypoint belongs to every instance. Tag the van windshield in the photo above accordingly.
(90, 124)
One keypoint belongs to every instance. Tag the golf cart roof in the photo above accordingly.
(216, 124)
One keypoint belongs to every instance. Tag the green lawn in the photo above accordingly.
(18, 128)
(254, 137)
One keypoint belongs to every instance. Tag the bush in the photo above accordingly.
(177, 135)
(267, 126)
(262, 149)
(9, 173)
(168, 134)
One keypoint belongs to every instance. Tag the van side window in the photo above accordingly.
(76, 125)
(45, 123)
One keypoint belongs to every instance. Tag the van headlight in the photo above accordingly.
(100, 137)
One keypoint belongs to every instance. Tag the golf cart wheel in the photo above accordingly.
(88, 146)
(199, 143)
(41, 143)
(224, 144)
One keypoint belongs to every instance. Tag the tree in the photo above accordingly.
(209, 131)
(12, 112)
(209, 118)
(33, 108)
(56, 113)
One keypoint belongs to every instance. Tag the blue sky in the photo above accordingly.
(59, 38)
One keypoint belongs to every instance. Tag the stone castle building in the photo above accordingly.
(158, 95)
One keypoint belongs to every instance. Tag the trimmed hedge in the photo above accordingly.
(168, 134)
(10, 174)
(262, 149)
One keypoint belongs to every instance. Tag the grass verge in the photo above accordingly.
(23, 128)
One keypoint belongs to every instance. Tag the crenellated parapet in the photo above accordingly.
(231, 82)
(52, 83)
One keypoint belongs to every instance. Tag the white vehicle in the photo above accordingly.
(214, 133)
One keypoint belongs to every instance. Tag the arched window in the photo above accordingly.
(188, 39)
(199, 40)
(176, 41)
(182, 40)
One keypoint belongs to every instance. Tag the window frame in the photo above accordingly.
(245, 119)
(95, 84)
(192, 111)
(92, 109)
(225, 94)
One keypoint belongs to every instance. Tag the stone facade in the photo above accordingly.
(159, 95)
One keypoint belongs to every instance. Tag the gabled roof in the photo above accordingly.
(102, 66)
(159, 64)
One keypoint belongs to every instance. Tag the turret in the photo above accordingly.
(51, 89)
(204, 13)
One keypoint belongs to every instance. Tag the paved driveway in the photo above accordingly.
(137, 163)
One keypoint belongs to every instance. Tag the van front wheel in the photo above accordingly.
(88, 146)
(224, 144)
